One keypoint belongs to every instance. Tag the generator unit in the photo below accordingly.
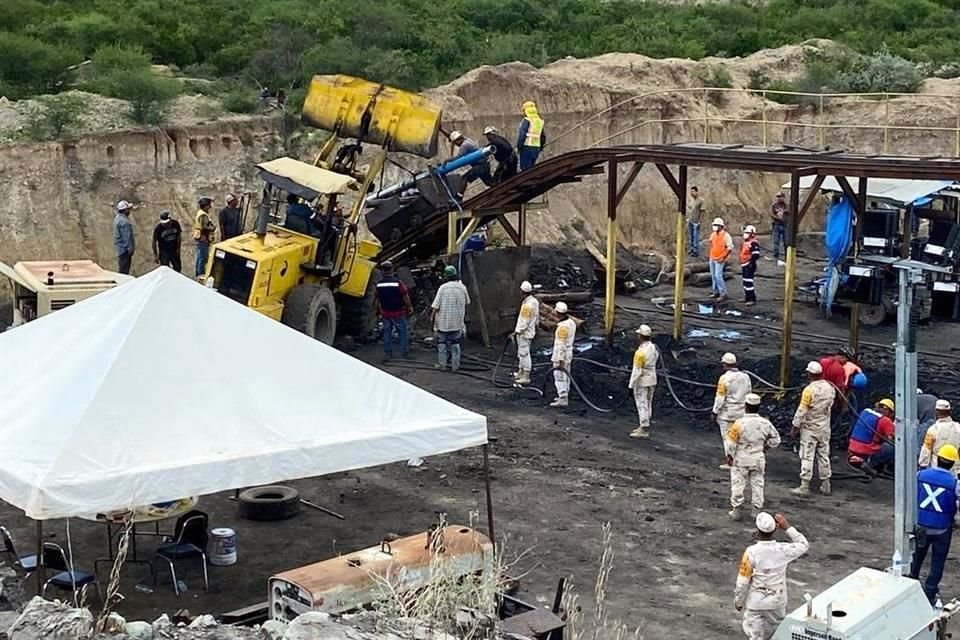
(880, 234)
(866, 605)
(357, 579)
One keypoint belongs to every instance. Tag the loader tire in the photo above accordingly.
(874, 315)
(274, 502)
(311, 309)
(358, 316)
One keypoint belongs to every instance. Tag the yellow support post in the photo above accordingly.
(886, 123)
(706, 118)
(957, 150)
(820, 124)
(678, 277)
(610, 293)
(452, 218)
(764, 96)
(788, 316)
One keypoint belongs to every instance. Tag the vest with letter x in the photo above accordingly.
(936, 498)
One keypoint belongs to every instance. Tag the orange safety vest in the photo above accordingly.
(745, 252)
(718, 246)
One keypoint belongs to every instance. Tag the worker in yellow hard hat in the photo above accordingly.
(531, 137)
(936, 509)
(871, 439)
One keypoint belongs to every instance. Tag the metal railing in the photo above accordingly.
(818, 99)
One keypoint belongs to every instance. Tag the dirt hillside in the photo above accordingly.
(57, 197)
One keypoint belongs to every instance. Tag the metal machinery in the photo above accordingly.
(42, 287)
(870, 604)
(311, 277)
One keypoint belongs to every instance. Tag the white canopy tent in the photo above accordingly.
(896, 191)
(162, 388)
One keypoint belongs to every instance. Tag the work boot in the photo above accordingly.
(825, 487)
(640, 432)
(560, 402)
(803, 489)
(734, 514)
(523, 377)
(722, 297)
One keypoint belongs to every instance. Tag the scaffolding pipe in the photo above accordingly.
(678, 276)
(789, 279)
(611, 279)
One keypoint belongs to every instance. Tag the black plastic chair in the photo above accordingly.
(189, 541)
(76, 581)
(27, 564)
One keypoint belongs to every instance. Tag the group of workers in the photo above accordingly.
(531, 139)
(168, 233)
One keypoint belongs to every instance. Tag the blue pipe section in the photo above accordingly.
(446, 168)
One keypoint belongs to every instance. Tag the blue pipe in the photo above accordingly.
(447, 167)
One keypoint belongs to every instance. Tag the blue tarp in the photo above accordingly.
(839, 235)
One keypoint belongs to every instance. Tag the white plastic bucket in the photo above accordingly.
(223, 545)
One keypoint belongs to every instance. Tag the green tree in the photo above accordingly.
(54, 116)
(117, 57)
(148, 94)
(29, 66)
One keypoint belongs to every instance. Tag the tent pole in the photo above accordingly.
(39, 573)
(486, 482)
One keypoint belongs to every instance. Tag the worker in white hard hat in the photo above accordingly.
(503, 153)
(749, 256)
(761, 591)
(748, 440)
(643, 379)
(479, 169)
(944, 430)
(525, 331)
(721, 246)
(728, 405)
(812, 423)
(562, 357)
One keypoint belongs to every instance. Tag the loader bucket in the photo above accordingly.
(408, 121)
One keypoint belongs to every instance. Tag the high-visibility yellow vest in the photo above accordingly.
(534, 130)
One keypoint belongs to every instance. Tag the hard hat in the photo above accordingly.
(814, 368)
(204, 200)
(123, 205)
(752, 399)
(719, 222)
(488, 129)
(387, 265)
(455, 135)
(859, 381)
(766, 523)
(561, 307)
(943, 405)
(750, 229)
(847, 353)
(450, 270)
(231, 196)
(948, 452)
(526, 287)
(164, 215)
(887, 403)
(645, 330)
(919, 390)
(728, 358)
(529, 103)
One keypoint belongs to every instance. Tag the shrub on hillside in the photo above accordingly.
(241, 101)
(54, 116)
(148, 94)
(29, 66)
(117, 57)
(714, 77)
(881, 72)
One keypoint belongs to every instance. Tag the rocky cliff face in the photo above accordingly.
(56, 198)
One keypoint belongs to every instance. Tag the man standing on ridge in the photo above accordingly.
(728, 405)
(525, 331)
(643, 380)
(531, 137)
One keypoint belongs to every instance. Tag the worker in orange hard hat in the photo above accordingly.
(531, 137)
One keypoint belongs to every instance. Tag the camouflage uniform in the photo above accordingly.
(732, 389)
(747, 441)
(812, 419)
(526, 330)
(643, 381)
(761, 589)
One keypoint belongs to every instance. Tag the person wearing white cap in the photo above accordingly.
(749, 256)
(562, 356)
(203, 230)
(748, 440)
(525, 332)
(503, 153)
(123, 240)
(230, 218)
(479, 169)
(167, 236)
(643, 380)
(728, 404)
(944, 430)
(721, 246)
(812, 423)
(761, 591)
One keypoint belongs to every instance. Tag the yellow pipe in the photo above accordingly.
(886, 123)
(611, 280)
(764, 118)
(706, 118)
(820, 122)
(469, 229)
(678, 278)
(788, 316)
(452, 233)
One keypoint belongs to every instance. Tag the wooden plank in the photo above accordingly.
(668, 176)
(628, 182)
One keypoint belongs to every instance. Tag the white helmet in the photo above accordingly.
(645, 330)
(765, 523)
(942, 405)
(728, 358)
(814, 368)
(526, 287)
(752, 230)
(718, 222)
(561, 307)
(489, 129)
(455, 135)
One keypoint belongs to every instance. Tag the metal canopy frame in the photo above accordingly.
(512, 194)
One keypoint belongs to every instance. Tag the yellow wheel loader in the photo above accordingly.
(304, 264)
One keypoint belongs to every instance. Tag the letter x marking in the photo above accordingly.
(931, 498)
